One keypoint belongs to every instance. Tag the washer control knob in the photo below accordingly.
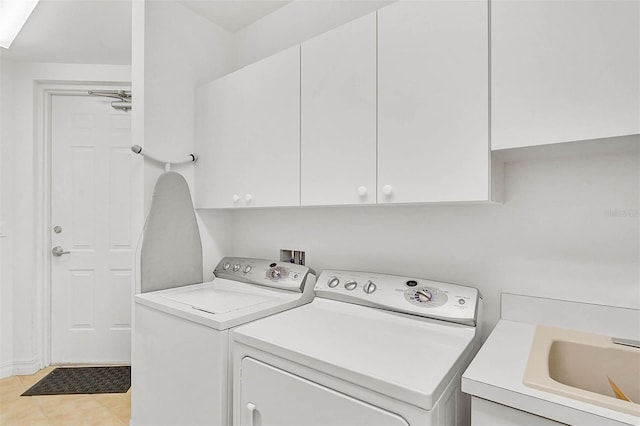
(275, 273)
(424, 295)
(226, 265)
(247, 269)
(362, 191)
(236, 267)
(235, 198)
(387, 190)
(369, 287)
(248, 198)
(333, 282)
(350, 285)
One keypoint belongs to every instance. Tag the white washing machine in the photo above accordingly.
(371, 349)
(180, 361)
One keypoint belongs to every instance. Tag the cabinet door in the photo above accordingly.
(220, 140)
(271, 160)
(338, 144)
(248, 136)
(433, 101)
(273, 397)
(564, 71)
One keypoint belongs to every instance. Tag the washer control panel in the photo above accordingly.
(281, 275)
(415, 296)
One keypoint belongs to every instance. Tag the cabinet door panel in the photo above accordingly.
(271, 91)
(433, 101)
(564, 71)
(220, 124)
(338, 144)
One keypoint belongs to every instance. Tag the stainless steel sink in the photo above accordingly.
(579, 365)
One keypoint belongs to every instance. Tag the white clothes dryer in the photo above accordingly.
(370, 349)
(180, 360)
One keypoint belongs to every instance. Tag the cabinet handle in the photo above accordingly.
(387, 190)
(235, 198)
(362, 191)
(252, 411)
(248, 198)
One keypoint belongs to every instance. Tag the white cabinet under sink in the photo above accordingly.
(248, 136)
(433, 102)
(564, 71)
(338, 143)
(487, 413)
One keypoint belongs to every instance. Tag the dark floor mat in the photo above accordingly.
(74, 380)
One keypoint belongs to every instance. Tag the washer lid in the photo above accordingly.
(219, 299)
(405, 357)
(221, 303)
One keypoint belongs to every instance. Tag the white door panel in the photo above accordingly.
(248, 136)
(338, 117)
(273, 397)
(564, 71)
(92, 203)
(433, 116)
(271, 158)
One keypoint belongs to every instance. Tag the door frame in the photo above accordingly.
(44, 96)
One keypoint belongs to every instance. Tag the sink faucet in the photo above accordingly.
(626, 342)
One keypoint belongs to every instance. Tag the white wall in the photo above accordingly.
(21, 286)
(175, 51)
(182, 50)
(569, 229)
(6, 297)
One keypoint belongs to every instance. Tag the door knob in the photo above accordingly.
(58, 251)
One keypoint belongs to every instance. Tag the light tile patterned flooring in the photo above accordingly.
(107, 409)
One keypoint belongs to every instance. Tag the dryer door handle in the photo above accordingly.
(252, 413)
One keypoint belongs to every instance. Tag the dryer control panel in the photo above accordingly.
(280, 275)
(415, 296)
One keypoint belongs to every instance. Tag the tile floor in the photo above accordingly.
(107, 409)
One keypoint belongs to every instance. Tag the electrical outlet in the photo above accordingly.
(292, 256)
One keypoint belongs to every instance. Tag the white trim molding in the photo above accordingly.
(21, 367)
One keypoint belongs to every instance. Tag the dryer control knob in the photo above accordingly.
(362, 191)
(275, 274)
(248, 198)
(333, 282)
(424, 295)
(236, 267)
(387, 190)
(351, 285)
(235, 198)
(369, 287)
(226, 265)
(247, 269)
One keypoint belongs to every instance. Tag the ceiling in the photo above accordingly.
(99, 31)
(75, 31)
(233, 15)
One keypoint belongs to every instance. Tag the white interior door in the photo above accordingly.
(91, 219)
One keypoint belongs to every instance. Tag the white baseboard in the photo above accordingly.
(13, 368)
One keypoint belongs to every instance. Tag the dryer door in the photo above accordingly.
(274, 397)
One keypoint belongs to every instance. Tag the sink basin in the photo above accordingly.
(578, 365)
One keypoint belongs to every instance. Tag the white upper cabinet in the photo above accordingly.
(248, 136)
(564, 71)
(433, 105)
(338, 142)
(220, 141)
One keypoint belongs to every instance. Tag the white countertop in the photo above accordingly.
(496, 375)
